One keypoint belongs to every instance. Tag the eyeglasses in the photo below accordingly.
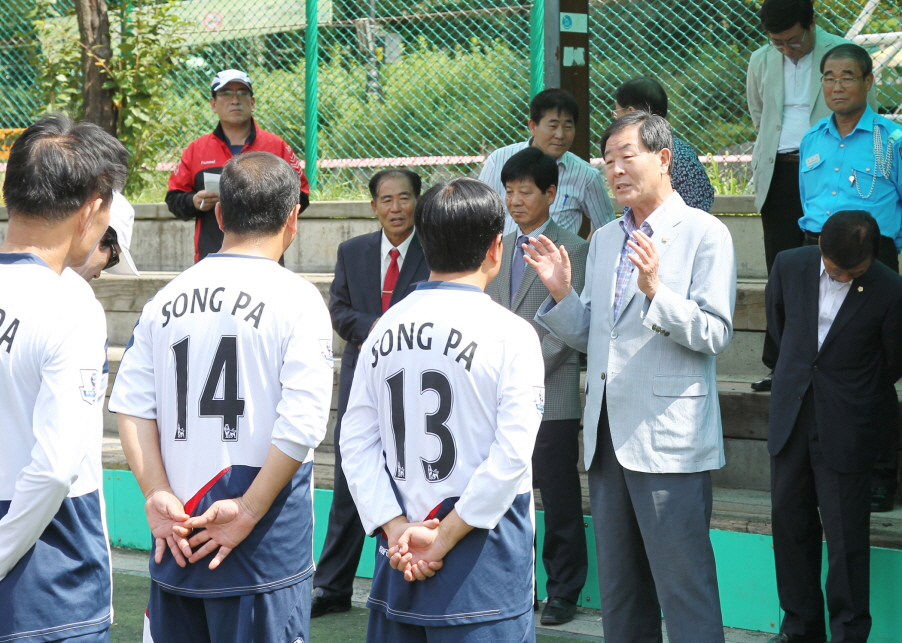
(845, 81)
(791, 43)
(110, 241)
(229, 93)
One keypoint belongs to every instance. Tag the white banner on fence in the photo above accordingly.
(218, 20)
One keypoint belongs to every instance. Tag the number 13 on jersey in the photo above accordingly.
(437, 382)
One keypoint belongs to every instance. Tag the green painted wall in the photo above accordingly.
(745, 563)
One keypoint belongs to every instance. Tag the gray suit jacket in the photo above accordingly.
(656, 363)
(764, 91)
(561, 362)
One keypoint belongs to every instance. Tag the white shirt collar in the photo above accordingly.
(402, 248)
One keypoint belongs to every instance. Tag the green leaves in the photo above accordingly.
(146, 47)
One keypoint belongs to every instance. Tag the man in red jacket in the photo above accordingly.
(194, 186)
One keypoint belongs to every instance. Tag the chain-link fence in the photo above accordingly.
(434, 85)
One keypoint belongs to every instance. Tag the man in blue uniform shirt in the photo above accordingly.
(851, 161)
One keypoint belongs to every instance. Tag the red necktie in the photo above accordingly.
(391, 278)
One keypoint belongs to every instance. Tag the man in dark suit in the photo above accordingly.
(835, 314)
(374, 271)
(530, 178)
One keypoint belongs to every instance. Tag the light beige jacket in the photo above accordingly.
(764, 91)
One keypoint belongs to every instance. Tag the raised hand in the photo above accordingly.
(225, 524)
(552, 265)
(646, 260)
(166, 517)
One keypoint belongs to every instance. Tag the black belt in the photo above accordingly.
(788, 157)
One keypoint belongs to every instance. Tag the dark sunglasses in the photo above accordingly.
(110, 241)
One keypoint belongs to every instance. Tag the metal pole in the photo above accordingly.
(552, 29)
(536, 48)
(311, 102)
(372, 68)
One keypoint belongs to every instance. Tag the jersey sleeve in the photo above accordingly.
(306, 378)
(521, 399)
(363, 457)
(67, 421)
(134, 392)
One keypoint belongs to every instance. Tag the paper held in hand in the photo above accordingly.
(211, 182)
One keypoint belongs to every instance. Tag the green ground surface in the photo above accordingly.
(130, 599)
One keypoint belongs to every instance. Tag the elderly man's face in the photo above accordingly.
(394, 206)
(845, 87)
(235, 109)
(635, 174)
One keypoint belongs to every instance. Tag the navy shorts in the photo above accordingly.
(519, 629)
(282, 615)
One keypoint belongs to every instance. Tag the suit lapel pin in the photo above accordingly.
(665, 239)
(860, 288)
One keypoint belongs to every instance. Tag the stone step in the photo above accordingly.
(744, 414)
(124, 297)
(162, 242)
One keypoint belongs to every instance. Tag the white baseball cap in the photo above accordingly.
(122, 220)
(226, 76)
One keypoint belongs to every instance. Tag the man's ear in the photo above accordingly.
(290, 231)
(496, 250)
(217, 210)
(86, 216)
(551, 193)
(666, 159)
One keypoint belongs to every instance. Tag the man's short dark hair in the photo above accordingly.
(646, 94)
(456, 222)
(56, 167)
(779, 15)
(654, 131)
(416, 183)
(257, 192)
(849, 238)
(849, 51)
(558, 101)
(531, 163)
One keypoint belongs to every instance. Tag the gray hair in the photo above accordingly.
(654, 131)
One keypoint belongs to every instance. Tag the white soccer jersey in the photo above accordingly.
(52, 386)
(232, 356)
(447, 399)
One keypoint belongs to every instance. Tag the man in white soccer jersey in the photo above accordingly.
(54, 553)
(222, 395)
(445, 407)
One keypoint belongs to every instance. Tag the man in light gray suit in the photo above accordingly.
(656, 309)
(785, 100)
(530, 179)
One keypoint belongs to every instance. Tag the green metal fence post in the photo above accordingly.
(536, 47)
(311, 100)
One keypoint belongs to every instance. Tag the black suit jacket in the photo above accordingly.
(355, 296)
(860, 359)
